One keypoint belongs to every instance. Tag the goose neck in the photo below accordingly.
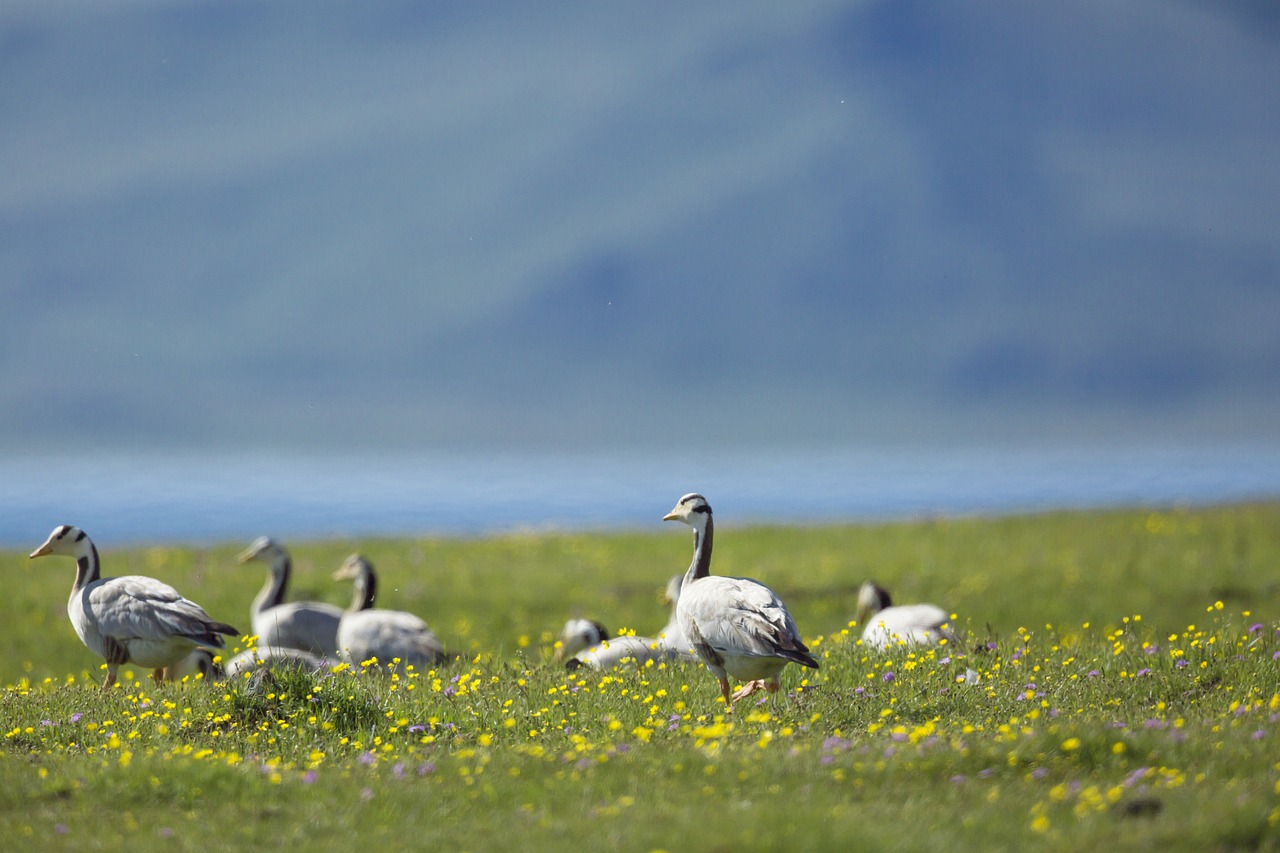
(703, 539)
(272, 594)
(366, 589)
(88, 567)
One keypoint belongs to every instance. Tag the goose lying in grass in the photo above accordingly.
(308, 625)
(130, 619)
(585, 642)
(886, 625)
(366, 633)
(737, 626)
(200, 662)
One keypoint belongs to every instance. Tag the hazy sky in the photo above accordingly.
(388, 225)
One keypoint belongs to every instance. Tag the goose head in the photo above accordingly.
(693, 510)
(67, 540)
(266, 550)
(353, 568)
(872, 598)
(579, 634)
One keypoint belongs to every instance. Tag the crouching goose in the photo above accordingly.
(130, 619)
(308, 625)
(366, 633)
(200, 662)
(886, 625)
(737, 626)
(585, 642)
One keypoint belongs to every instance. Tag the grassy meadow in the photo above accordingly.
(1127, 696)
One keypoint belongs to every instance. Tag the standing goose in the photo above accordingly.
(129, 619)
(366, 633)
(308, 625)
(737, 626)
(886, 625)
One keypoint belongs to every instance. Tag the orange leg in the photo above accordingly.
(724, 691)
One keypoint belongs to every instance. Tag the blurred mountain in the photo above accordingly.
(395, 225)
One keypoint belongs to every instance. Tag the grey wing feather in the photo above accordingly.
(140, 607)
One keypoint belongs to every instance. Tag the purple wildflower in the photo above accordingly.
(417, 727)
(427, 768)
(61, 828)
(957, 779)
(75, 718)
(1142, 672)
(889, 676)
(367, 758)
(1093, 673)
(1135, 777)
(309, 777)
(366, 794)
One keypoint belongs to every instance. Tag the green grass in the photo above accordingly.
(1129, 698)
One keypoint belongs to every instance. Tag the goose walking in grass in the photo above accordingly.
(886, 625)
(366, 633)
(130, 619)
(308, 625)
(737, 626)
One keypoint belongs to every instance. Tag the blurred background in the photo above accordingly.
(341, 266)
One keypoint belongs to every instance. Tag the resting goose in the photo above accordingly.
(886, 625)
(366, 633)
(737, 626)
(585, 642)
(672, 635)
(308, 625)
(200, 662)
(130, 619)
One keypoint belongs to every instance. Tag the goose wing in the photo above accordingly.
(308, 625)
(918, 624)
(136, 607)
(388, 634)
(743, 617)
(610, 653)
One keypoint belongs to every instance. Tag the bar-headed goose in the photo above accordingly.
(366, 633)
(201, 663)
(130, 619)
(585, 642)
(308, 625)
(672, 635)
(737, 626)
(886, 625)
